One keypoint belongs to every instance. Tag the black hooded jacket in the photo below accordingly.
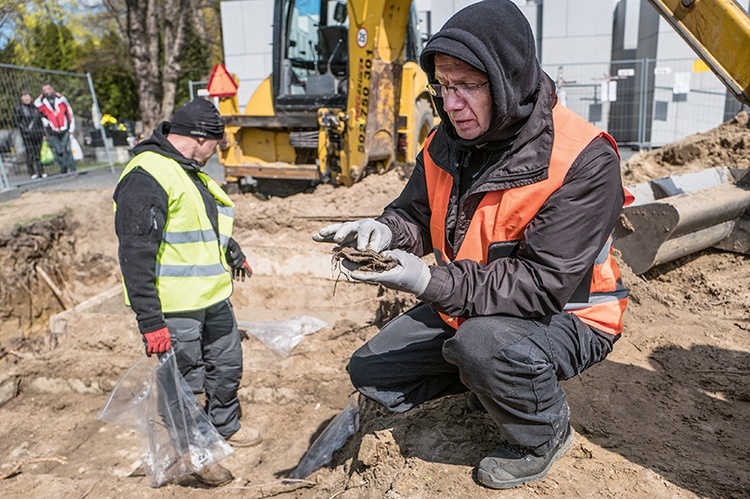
(142, 207)
(563, 240)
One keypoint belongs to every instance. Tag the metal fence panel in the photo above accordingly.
(78, 89)
(642, 103)
(645, 103)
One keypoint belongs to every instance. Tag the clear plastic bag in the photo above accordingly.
(282, 336)
(344, 425)
(154, 399)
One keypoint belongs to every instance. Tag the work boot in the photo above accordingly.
(245, 437)
(509, 465)
(215, 475)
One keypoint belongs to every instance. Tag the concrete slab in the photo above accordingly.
(9, 194)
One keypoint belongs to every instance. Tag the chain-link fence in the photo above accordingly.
(24, 148)
(645, 103)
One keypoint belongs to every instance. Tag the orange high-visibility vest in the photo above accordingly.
(504, 216)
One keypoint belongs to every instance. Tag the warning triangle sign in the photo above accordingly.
(221, 83)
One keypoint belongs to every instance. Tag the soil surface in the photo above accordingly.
(666, 415)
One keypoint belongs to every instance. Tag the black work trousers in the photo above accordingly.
(207, 348)
(33, 145)
(514, 365)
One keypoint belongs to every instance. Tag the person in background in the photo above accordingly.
(177, 256)
(59, 124)
(29, 122)
(516, 196)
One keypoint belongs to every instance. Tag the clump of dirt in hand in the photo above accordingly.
(368, 260)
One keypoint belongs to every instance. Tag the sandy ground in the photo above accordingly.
(666, 415)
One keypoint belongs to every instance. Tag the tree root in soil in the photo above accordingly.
(34, 261)
(367, 261)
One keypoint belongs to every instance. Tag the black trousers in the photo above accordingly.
(514, 365)
(33, 145)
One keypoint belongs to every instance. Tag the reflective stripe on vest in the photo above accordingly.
(191, 267)
(504, 216)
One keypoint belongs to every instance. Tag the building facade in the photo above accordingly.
(617, 63)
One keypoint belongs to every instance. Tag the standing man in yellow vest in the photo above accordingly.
(516, 196)
(177, 256)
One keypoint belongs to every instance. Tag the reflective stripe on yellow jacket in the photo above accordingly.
(504, 215)
(191, 268)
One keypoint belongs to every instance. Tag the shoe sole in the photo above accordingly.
(252, 443)
(488, 480)
(210, 483)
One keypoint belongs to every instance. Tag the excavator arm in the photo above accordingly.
(719, 32)
(679, 215)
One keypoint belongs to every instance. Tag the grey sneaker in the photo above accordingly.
(509, 466)
(215, 475)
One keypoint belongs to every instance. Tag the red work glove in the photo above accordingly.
(244, 270)
(157, 341)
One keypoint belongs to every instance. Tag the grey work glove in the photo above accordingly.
(360, 234)
(411, 274)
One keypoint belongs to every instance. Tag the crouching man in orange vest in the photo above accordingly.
(516, 196)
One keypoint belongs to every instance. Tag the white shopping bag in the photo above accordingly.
(75, 148)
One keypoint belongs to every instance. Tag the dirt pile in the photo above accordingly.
(726, 145)
(664, 416)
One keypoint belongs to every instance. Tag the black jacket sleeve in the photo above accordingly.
(408, 216)
(557, 250)
(139, 223)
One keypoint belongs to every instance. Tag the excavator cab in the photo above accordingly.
(346, 96)
(311, 54)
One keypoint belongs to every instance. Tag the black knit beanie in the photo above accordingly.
(198, 118)
(494, 37)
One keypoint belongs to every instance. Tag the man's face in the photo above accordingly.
(206, 148)
(26, 99)
(469, 111)
(48, 90)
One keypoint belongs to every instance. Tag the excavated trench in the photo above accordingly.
(36, 262)
(55, 296)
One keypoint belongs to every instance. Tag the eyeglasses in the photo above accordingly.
(462, 90)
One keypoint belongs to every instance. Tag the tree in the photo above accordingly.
(195, 61)
(108, 62)
(52, 47)
(155, 32)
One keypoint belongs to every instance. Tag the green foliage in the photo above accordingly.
(108, 62)
(8, 52)
(52, 47)
(88, 37)
(196, 64)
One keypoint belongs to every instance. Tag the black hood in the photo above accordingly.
(158, 143)
(492, 36)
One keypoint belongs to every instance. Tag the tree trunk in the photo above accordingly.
(156, 32)
(175, 15)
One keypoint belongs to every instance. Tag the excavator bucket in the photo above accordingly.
(681, 214)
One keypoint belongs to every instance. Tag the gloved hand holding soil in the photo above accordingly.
(363, 261)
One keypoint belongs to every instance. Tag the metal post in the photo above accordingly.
(4, 183)
(642, 104)
(101, 128)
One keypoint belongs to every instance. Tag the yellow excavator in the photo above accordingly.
(346, 96)
(682, 214)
